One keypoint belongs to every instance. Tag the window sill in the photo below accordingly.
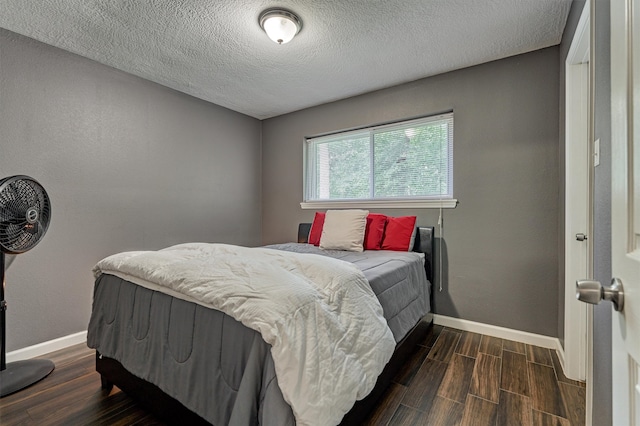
(381, 204)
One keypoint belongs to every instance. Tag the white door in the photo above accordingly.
(625, 198)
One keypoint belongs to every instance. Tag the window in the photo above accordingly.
(406, 164)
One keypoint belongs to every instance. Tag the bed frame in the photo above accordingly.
(171, 411)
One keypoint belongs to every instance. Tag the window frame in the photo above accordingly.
(442, 201)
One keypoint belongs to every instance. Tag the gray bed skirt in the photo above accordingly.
(231, 380)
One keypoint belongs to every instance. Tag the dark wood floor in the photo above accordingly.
(455, 378)
(462, 378)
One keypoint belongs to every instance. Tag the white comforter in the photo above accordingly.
(329, 340)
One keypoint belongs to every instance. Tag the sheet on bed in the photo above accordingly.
(397, 278)
(151, 334)
(329, 340)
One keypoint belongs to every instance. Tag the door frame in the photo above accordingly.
(576, 359)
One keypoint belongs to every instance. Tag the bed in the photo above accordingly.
(191, 364)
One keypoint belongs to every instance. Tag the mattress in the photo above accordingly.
(397, 278)
(212, 364)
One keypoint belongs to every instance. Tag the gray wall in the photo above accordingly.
(502, 240)
(128, 165)
(602, 374)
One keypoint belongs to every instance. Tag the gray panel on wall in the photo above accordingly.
(128, 164)
(502, 240)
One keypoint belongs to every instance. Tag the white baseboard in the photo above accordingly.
(457, 323)
(46, 347)
(501, 332)
(560, 352)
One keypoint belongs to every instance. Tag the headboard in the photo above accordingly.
(422, 244)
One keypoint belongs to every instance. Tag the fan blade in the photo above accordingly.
(31, 228)
(11, 210)
(9, 231)
(12, 236)
(12, 194)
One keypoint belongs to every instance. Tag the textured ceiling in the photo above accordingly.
(216, 51)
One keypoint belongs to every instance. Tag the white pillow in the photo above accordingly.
(344, 230)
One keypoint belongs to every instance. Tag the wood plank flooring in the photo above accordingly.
(454, 378)
(462, 378)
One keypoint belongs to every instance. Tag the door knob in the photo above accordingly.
(593, 292)
(581, 237)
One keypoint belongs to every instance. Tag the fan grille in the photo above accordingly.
(25, 212)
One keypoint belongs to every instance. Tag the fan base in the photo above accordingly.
(20, 374)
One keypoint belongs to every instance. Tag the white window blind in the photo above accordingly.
(410, 160)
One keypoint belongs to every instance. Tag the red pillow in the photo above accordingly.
(397, 234)
(316, 229)
(374, 231)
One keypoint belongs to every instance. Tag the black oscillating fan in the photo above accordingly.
(25, 212)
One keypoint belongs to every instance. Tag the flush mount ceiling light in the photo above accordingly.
(280, 25)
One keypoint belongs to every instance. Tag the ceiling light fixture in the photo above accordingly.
(280, 25)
